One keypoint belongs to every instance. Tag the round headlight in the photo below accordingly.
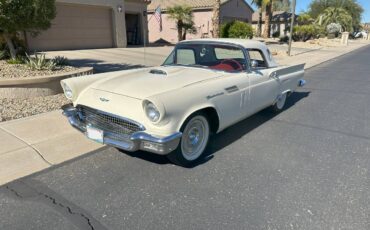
(67, 91)
(152, 112)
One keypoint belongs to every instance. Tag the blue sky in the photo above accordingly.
(302, 5)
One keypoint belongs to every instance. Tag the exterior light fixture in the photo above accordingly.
(119, 8)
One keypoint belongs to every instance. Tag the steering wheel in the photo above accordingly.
(239, 66)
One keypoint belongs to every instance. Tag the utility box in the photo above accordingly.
(345, 37)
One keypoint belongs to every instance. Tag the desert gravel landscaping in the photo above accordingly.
(18, 108)
(23, 71)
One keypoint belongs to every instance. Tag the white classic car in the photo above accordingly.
(203, 87)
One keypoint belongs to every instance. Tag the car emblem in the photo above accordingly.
(103, 99)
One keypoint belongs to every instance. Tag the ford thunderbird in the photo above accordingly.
(203, 87)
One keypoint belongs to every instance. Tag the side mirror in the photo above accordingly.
(254, 64)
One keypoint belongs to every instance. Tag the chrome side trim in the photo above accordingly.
(232, 89)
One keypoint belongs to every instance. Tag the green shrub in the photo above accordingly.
(276, 34)
(240, 29)
(333, 29)
(60, 61)
(224, 29)
(305, 19)
(306, 32)
(284, 39)
(19, 46)
(236, 29)
(15, 61)
(4, 54)
(39, 62)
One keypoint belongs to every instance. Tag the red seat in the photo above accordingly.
(223, 66)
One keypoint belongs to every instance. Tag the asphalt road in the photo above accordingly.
(306, 168)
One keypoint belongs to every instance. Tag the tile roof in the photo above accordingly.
(198, 4)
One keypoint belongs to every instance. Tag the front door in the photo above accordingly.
(133, 29)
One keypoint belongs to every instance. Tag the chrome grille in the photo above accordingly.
(108, 122)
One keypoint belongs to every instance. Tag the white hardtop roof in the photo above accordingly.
(246, 43)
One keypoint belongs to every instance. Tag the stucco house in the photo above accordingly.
(280, 22)
(82, 24)
(203, 13)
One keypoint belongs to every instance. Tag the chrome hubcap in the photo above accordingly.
(281, 101)
(195, 138)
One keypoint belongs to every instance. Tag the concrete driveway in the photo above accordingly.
(107, 60)
(305, 168)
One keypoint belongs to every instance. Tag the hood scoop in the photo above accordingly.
(158, 72)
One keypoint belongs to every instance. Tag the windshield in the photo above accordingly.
(212, 56)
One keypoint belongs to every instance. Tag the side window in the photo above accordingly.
(185, 57)
(170, 60)
(256, 55)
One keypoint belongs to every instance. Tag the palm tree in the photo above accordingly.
(284, 5)
(268, 16)
(259, 4)
(216, 19)
(188, 28)
(336, 15)
(267, 6)
(183, 15)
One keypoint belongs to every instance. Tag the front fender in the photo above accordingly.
(194, 110)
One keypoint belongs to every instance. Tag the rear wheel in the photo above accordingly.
(194, 140)
(280, 103)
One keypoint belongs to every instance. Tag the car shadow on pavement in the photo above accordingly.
(226, 137)
(237, 131)
(101, 66)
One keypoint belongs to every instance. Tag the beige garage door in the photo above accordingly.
(76, 27)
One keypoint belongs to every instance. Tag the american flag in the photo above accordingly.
(158, 16)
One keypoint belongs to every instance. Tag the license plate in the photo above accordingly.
(95, 134)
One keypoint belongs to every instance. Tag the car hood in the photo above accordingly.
(148, 82)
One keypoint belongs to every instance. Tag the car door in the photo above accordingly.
(264, 86)
(231, 94)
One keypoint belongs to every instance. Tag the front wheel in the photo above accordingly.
(194, 140)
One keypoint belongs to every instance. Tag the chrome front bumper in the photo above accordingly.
(134, 142)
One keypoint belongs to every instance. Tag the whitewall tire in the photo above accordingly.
(194, 140)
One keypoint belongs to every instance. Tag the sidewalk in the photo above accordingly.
(317, 57)
(35, 143)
